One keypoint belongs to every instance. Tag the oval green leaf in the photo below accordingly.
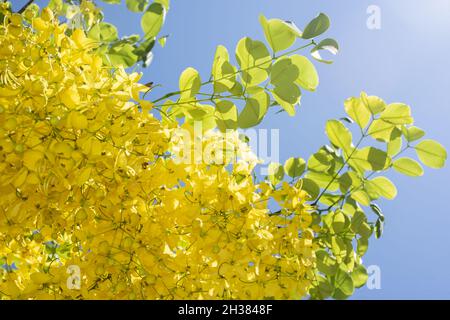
(276, 173)
(339, 135)
(295, 167)
(279, 34)
(189, 83)
(382, 186)
(431, 153)
(308, 77)
(316, 27)
(254, 60)
(254, 111)
(153, 19)
(408, 166)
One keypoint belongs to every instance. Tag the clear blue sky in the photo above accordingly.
(406, 61)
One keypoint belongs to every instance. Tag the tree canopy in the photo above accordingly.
(103, 193)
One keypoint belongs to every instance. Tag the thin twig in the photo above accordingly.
(25, 6)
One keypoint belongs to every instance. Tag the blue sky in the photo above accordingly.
(405, 61)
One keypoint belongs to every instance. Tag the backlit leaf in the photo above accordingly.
(431, 153)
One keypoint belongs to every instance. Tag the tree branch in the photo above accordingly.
(25, 6)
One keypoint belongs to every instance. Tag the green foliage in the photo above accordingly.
(254, 110)
(103, 32)
(254, 60)
(279, 34)
(329, 45)
(431, 153)
(189, 84)
(153, 19)
(226, 115)
(276, 173)
(128, 50)
(136, 5)
(133, 49)
(295, 167)
(307, 75)
(350, 180)
(343, 284)
(359, 276)
(261, 78)
(316, 27)
(408, 166)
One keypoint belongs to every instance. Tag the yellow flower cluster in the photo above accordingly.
(94, 206)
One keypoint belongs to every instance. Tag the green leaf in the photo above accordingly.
(408, 167)
(347, 119)
(104, 32)
(340, 248)
(311, 188)
(144, 51)
(56, 5)
(343, 285)
(295, 167)
(394, 147)
(163, 40)
(283, 72)
(164, 3)
(254, 60)
(316, 27)
(224, 74)
(254, 111)
(279, 34)
(189, 83)
(362, 246)
(307, 74)
(323, 179)
(226, 115)
(203, 113)
(340, 222)
(382, 130)
(112, 1)
(431, 153)
(320, 161)
(412, 133)
(153, 19)
(359, 276)
(370, 158)
(382, 186)
(397, 113)
(322, 290)
(379, 227)
(287, 96)
(359, 223)
(276, 173)
(339, 135)
(357, 110)
(136, 5)
(326, 263)
(122, 54)
(329, 45)
(329, 199)
(349, 180)
(373, 103)
(237, 89)
(376, 209)
(361, 197)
